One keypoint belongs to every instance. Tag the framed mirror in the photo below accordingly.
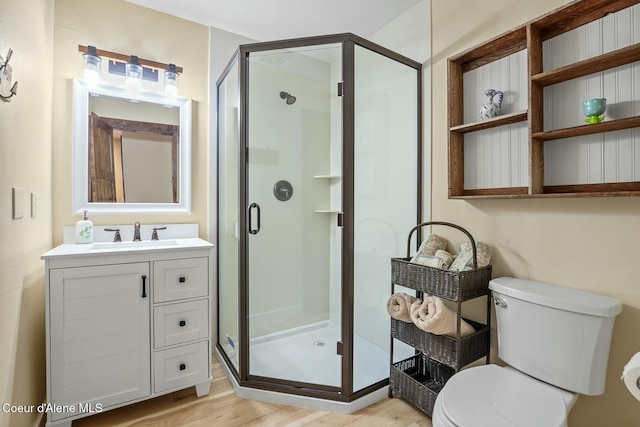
(131, 153)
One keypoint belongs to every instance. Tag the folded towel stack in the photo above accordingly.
(432, 253)
(464, 260)
(430, 315)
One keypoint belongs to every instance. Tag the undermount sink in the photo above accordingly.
(128, 245)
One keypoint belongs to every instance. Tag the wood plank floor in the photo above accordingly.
(223, 408)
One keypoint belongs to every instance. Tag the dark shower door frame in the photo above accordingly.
(345, 393)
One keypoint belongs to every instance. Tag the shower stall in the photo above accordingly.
(319, 167)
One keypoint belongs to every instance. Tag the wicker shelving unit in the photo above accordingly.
(420, 378)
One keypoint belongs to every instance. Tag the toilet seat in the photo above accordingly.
(491, 396)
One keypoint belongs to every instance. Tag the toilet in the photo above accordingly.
(555, 341)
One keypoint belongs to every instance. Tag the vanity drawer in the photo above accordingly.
(180, 323)
(178, 279)
(181, 366)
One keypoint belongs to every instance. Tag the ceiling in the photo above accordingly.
(264, 20)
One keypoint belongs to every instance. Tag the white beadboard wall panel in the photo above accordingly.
(508, 75)
(496, 158)
(610, 157)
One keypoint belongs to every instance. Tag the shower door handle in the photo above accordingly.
(252, 207)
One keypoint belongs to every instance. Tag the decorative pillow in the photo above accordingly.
(431, 245)
(441, 259)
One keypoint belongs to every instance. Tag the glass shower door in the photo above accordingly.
(293, 200)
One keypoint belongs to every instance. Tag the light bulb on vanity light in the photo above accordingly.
(91, 73)
(171, 82)
(134, 75)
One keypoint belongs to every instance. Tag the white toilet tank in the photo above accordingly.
(556, 334)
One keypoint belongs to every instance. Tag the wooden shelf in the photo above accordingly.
(609, 60)
(614, 189)
(530, 37)
(506, 119)
(606, 126)
(498, 48)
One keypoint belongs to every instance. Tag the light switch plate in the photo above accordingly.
(18, 203)
(33, 205)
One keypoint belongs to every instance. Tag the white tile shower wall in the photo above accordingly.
(608, 157)
(497, 157)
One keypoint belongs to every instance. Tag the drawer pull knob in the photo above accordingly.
(182, 279)
(183, 366)
(183, 323)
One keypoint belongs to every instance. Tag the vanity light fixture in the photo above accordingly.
(170, 82)
(91, 73)
(134, 75)
(133, 69)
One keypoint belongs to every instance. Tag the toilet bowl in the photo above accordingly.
(494, 396)
(561, 353)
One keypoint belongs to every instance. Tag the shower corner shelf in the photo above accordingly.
(420, 378)
(330, 211)
(330, 176)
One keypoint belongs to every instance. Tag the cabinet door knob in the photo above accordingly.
(183, 366)
(182, 279)
(183, 323)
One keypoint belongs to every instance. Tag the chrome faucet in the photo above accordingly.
(136, 232)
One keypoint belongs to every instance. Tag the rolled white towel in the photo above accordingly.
(398, 306)
(433, 316)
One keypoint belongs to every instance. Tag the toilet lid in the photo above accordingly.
(491, 396)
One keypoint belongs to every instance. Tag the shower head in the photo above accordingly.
(290, 99)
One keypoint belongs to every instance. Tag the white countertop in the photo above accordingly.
(100, 248)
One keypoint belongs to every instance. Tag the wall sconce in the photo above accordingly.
(134, 75)
(91, 73)
(5, 78)
(171, 82)
(133, 69)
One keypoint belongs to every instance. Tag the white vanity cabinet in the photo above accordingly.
(125, 324)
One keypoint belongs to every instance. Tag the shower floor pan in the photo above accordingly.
(308, 354)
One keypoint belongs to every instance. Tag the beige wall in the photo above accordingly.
(25, 162)
(119, 26)
(591, 244)
(35, 153)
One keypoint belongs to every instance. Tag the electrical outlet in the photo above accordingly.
(18, 202)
